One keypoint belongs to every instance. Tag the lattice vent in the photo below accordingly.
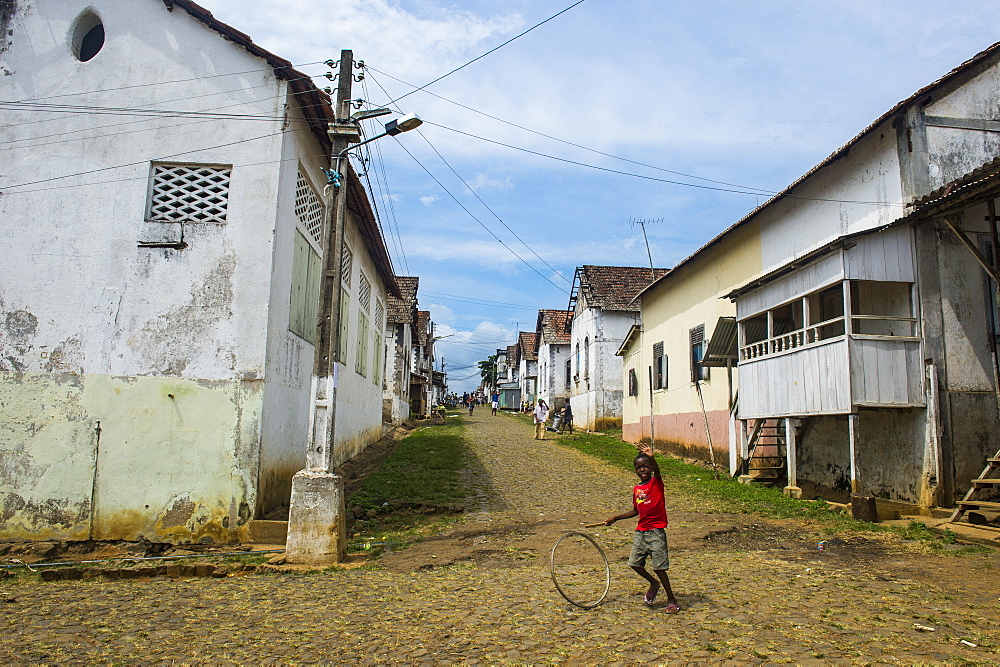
(189, 193)
(309, 208)
(346, 257)
(378, 315)
(365, 293)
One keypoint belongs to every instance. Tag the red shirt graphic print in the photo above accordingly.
(647, 499)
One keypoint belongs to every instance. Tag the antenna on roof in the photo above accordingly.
(642, 223)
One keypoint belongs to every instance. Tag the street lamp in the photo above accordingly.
(316, 522)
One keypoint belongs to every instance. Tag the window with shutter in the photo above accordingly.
(698, 344)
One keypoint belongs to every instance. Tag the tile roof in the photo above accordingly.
(554, 326)
(527, 341)
(513, 358)
(403, 310)
(423, 332)
(614, 287)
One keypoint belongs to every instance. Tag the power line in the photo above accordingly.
(164, 83)
(384, 190)
(570, 143)
(481, 224)
(134, 164)
(497, 48)
(455, 297)
(476, 195)
(653, 178)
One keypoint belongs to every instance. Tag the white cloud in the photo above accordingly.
(482, 182)
(428, 199)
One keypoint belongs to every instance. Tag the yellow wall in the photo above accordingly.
(680, 302)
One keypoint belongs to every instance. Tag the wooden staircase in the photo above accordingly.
(767, 450)
(988, 479)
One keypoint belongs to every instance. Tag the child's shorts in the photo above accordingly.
(650, 543)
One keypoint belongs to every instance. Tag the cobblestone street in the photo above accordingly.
(751, 590)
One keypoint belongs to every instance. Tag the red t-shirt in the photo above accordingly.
(647, 499)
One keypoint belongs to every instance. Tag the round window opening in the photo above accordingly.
(88, 36)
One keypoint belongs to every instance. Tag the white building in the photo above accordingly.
(400, 320)
(507, 381)
(527, 365)
(859, 308)
(161, 271)
(555, 378)
(603, 313)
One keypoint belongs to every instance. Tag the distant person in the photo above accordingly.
(541, 413)
(495, 402)
(567, 419)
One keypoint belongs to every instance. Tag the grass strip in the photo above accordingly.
(425, 470)
(698, 484)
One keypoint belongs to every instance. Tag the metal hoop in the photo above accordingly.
(607, 570)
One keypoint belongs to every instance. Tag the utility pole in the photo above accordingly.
(317, 530)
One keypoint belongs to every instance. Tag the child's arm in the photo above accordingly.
(624, 515)
(647, 449)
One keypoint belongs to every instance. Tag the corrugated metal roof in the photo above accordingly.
(836, 155)
(722, 346)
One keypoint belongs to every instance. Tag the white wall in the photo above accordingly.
(597, 390)
(552, 372)
(359, 398)
(165, 349)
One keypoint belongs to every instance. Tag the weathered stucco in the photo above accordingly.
(147, 458)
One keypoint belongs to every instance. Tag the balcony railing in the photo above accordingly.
(809, 335)
(866, 326)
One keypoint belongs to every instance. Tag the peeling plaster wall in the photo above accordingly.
(597, 392)
(894, 461)
(968, 398)
(95, 329)
(399, 340)
(952, 153)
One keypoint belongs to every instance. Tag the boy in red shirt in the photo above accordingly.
(650, 533)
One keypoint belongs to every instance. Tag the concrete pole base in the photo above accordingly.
(317, 529)
(793, 492)
(745, 479)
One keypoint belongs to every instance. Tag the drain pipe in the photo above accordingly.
(93, 484)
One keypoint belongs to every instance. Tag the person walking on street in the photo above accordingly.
(541, 413)
(495, 401)
(567, 419)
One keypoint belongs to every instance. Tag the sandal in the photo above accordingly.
(649, 601)
(672, 608)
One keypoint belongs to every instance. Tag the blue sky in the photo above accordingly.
(746, 93)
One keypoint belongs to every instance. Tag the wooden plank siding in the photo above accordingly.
(886, 372)
(807, 381)
(826, 271)
(886, 256)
